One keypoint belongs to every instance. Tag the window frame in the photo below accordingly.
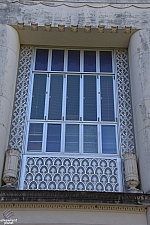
(98, 123)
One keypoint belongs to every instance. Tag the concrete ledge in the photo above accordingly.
(7, 196)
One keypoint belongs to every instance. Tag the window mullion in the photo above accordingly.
(30, 96)
(44, 139)
(81, 85)
(63, 127)
(81, 138)
(47, 97)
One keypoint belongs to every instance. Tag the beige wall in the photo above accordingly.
(58, 215)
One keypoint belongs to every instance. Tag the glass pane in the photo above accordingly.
(72, 138)
(55, 98)
(73, 60)
(35, 137)
(89, 61)
(53, 138)
(90, 139)
(90, 102)
(73, 91)
(109, 140)
(41, 59)
(38, 96)
(107, 99)
(57, 60)
(106, 61)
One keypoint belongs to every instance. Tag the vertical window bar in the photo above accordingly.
(45, 125)
(47, 97)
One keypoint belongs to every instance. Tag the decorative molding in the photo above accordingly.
(74, 28)
(74, 206)
(127, 30)
(87, 29)
(101, 29)
(34, 26)
(20, 26)
(11, 166)
(61, 28)
(47, 27)
(114, 29)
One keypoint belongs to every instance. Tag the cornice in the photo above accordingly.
(75, 197)
(73, 206)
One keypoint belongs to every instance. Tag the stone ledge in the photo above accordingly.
(41, 196)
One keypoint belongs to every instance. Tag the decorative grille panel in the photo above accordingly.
(124, 98)
(82, 174)
(19, 114)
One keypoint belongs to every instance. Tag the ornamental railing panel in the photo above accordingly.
(80, 174)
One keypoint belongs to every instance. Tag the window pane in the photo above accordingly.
(57, 60)
(72, 138)
(35, 137)
(90, 139)
(38, 96)
(55, 98)
(90, 102)
(41, 59)
(109, 140)
(73, 60)
(106, 61)
(53, 138)
(73, 91)
(107, 99)
(89, 61)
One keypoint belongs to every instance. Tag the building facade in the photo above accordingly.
(74, 111)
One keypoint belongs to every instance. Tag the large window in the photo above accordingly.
(72, 103)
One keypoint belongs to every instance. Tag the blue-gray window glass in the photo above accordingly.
(55, 98)
(90, 144)
(35, 137)
(38, 96)
(41, 59)
(57, 60)
(109, 139)
(106, 61)
(53, 138)
(73, 91)
(107, 98)
(89, 61)
(72, 138)
(90, 101)
(74, 60)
